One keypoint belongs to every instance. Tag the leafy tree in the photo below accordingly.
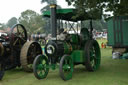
(95, 7)
(12, 21)
(119, 7)
(49, 1)
(91, 8)
(2, 26)
(32, 21)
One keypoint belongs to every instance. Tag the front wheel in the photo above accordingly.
(40, 67)
(92, 55)
(66, 67)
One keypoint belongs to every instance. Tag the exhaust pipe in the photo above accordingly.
(53, 21)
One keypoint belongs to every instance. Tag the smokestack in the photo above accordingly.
(53, 20)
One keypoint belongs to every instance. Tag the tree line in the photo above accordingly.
(34, 22)
(96, 8)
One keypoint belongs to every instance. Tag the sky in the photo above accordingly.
(13, 8)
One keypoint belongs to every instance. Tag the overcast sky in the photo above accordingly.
(13, 8)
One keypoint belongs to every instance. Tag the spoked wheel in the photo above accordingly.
(92, 55)
(18, 35)
(28, 53)
(1, 71)
(66, 67)
(40, 67)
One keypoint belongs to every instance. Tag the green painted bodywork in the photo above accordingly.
(67, 48)
(73, 50)
(118, 31)
(74, 39)
(59, 11)
(77, 56)
(72, 45)
(68, 14)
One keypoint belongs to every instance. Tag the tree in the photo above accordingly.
(93, 8)
(2, 26)
(12, 21)
(32, 21)
(118, 7)
(49, 1)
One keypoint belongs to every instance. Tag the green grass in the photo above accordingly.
(111, 72)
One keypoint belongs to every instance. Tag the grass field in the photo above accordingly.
(111, 72)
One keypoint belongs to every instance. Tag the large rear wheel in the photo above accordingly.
(66, 67)
(28, 53)
(40, 67)
(92, 55)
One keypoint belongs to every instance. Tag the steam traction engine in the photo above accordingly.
(67, 48)
(15, 50)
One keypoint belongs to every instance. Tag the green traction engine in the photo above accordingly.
(67, 48)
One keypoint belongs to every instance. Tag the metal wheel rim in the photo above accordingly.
(93, 59)
(92, 55)
(41, 67)
(66, 67)
(95, 56)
